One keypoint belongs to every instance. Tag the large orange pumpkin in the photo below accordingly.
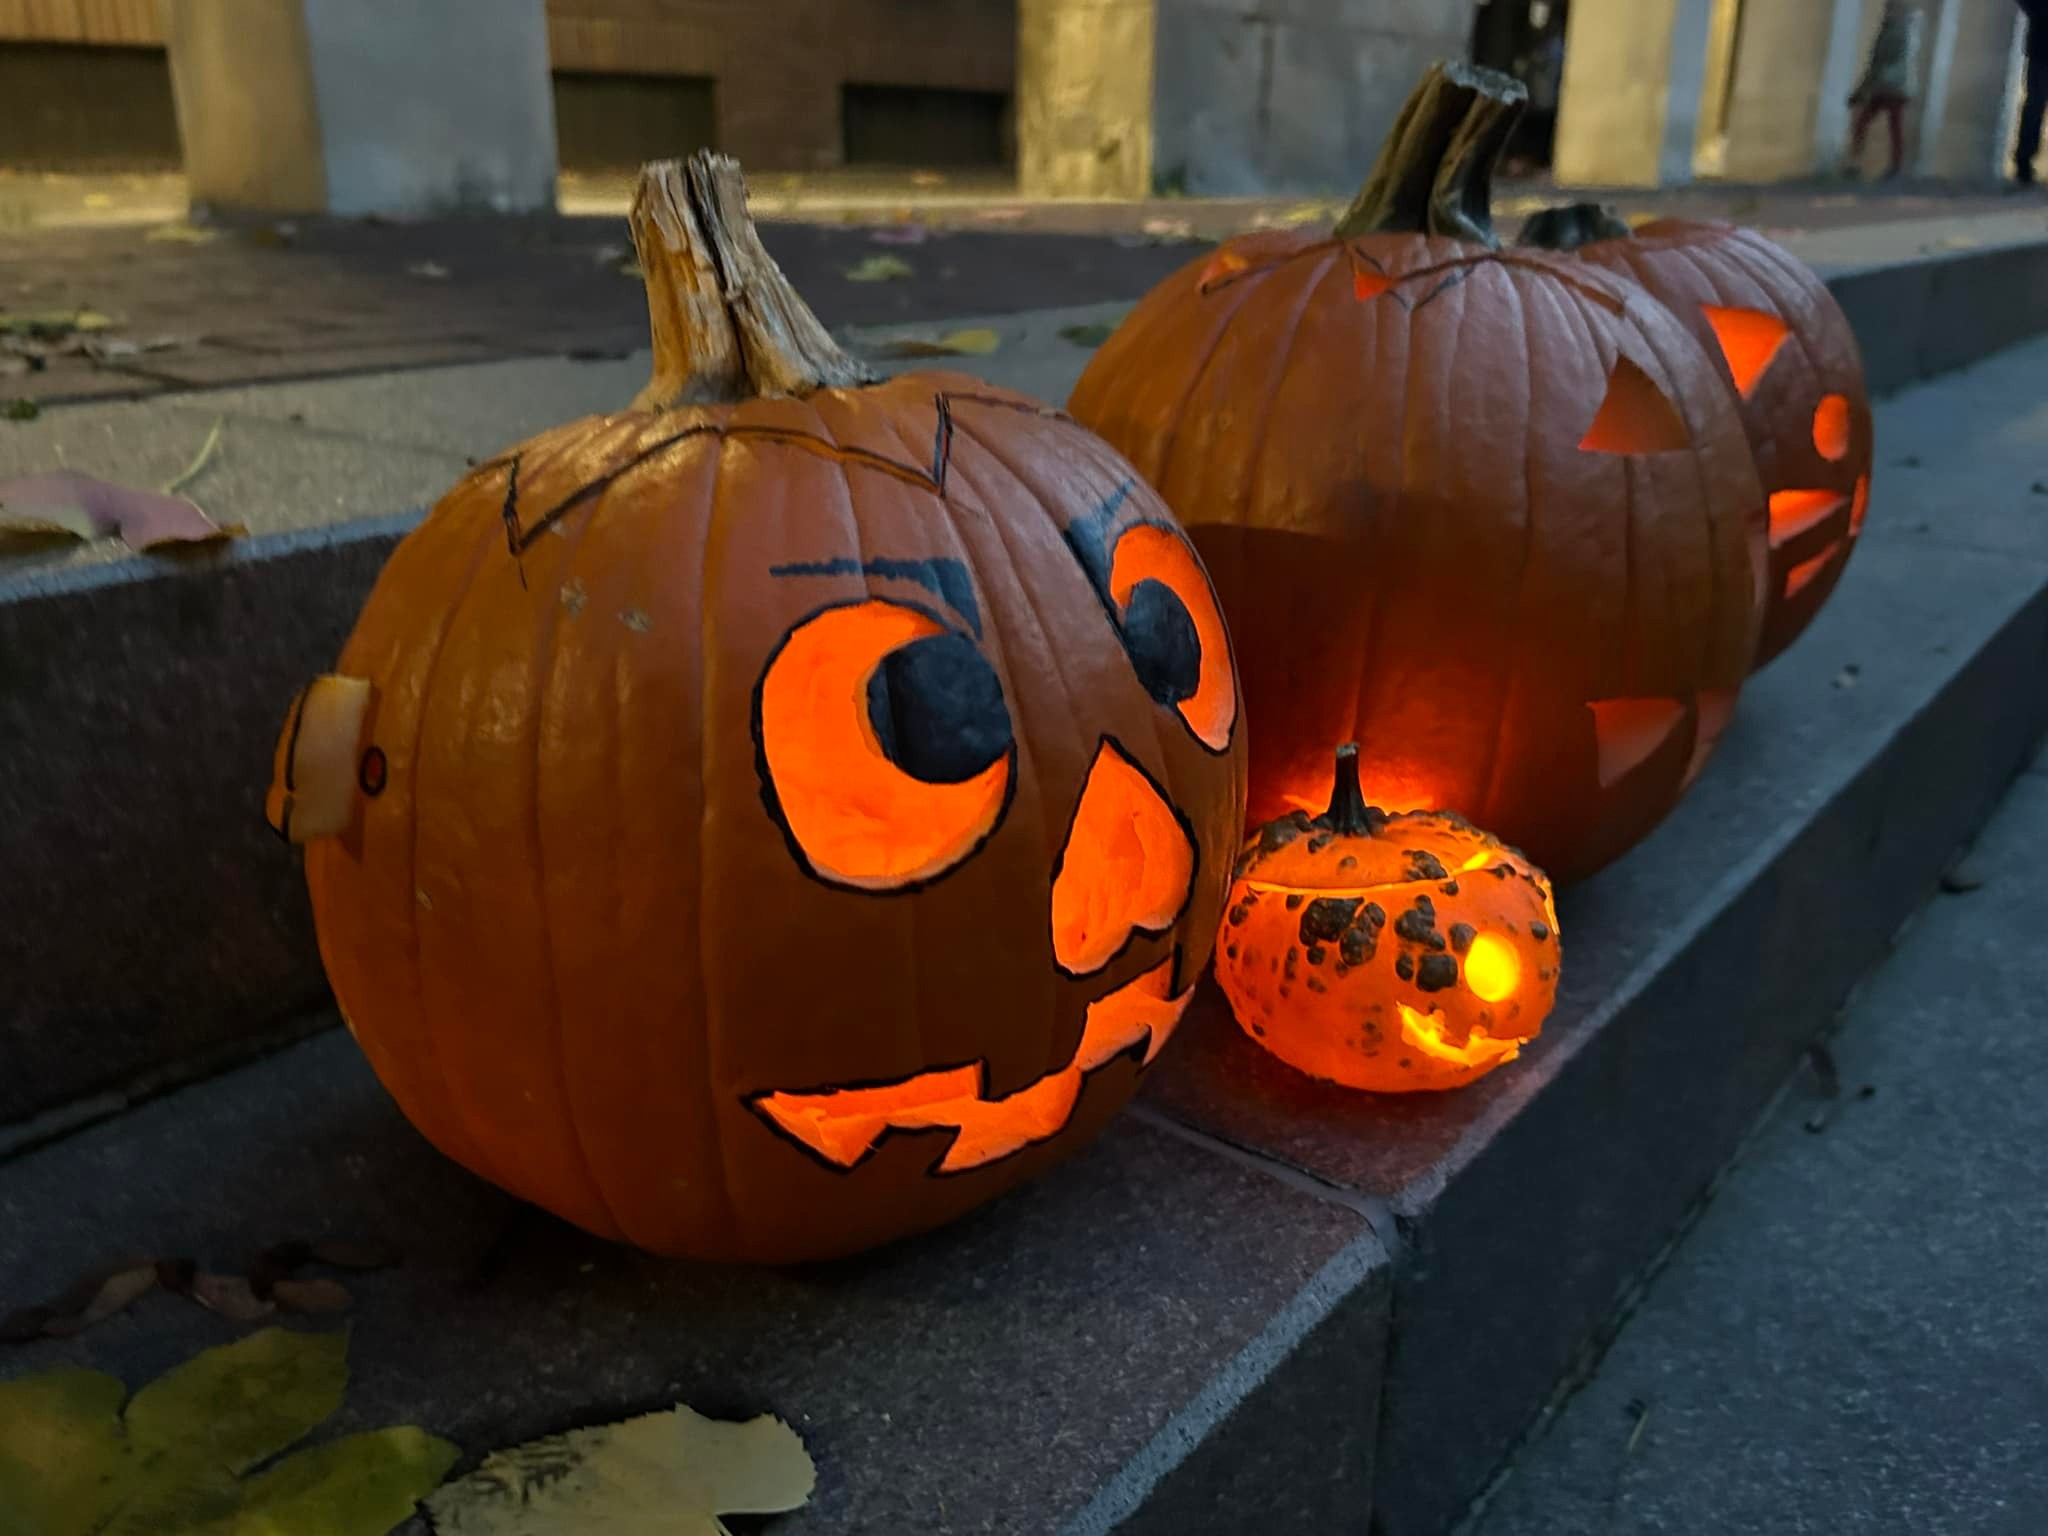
(1787, 350)
(780, 816)
(1490, 514)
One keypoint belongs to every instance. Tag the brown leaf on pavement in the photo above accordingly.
(316, 1295)
(65, 503)
(230, 1296)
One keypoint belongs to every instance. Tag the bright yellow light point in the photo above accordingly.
(1491, 969)
(1478, 860)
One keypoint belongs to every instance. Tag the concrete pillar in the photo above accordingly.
(1965, 128)
(1634, 76)
(363, 106)
(1798, 60)
(1084, 97)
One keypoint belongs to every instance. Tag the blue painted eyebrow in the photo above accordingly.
(946, 580)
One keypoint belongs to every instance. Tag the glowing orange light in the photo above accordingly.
(1492, 970)
(1801, 576)
(1635, 416)
(843, 1125)
(1859, 506)
(1369, 285)
(860, 819)
(1222, 266)
(1831, 428)
(1629, 731)
(1425, 1031)
(1749, 340)
(1148, 553)
(1793, 512)
(1127, 866)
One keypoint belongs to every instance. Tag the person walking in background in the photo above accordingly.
(1887, 84)
(2035, 107)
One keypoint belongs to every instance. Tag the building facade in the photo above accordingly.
(1112, 98)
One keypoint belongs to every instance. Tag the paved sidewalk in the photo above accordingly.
(1851, 1340)
(317, 298)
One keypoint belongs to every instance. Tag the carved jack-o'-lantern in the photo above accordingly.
(1387, 952)
(1490, 514)
(781, 816)
(1787, 350)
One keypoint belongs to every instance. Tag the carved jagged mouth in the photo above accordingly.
(844, 1125)
(1426, 1032)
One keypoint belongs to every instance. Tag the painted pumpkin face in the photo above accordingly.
(802, 818)
(1489, 513)
(1391, 953)
(1787, 350)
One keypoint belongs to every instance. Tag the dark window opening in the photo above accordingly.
(908, 125)
(72, 107)
(617, 122)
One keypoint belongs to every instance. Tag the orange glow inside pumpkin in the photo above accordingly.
(843, 1125)
(1749, 340)
(1831, 428)
(1629, 731)
(1492, 969)
(1801, 576)
(1126, 868)
(860, 819)
(1793, 512)
(1425, 1032)
(1148, 553)
(1859, 506)
(1634, 416)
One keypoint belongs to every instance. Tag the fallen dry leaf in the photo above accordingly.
(317, 1295)
(667, 1473)
(1847, 677)
(53, 322)
(65, 503)
(21, 410)
(183, 233)
(175, 1459)
(230, 1296)
(879, 269)
(979, 342)
(901, 234)
(427, 269)
(927, 179)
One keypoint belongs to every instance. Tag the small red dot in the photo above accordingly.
(370, 773)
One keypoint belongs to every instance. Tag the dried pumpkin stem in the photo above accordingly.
(726, 323)
(1435, 172)
(1571, 226)
(1348, 812)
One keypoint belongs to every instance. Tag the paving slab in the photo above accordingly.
(1847, 1339)
(1150, 1322)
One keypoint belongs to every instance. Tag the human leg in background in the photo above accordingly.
(1895, 117)
(2031, 113)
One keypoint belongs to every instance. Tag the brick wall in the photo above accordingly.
(779, 64)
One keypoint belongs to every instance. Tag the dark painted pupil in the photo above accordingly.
(937, 709)
(1161, 638)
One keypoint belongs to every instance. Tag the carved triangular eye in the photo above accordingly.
(1749, 340)
(1635, 416)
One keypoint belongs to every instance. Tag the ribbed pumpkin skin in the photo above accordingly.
(1687, 266)
(576, 945)
(1376, 445)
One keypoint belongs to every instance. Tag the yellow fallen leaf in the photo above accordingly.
(879, 268)
(183, 234)
(669, 1473)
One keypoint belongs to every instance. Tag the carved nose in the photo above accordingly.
(1127, 867)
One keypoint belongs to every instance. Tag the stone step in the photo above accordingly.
(1256, 1304)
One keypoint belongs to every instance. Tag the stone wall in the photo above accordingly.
(1276, 95)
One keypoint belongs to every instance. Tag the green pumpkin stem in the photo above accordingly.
(1348, 813)
(726, 323)
(1435, 172)
(1568, 227)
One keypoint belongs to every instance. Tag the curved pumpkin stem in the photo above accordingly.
(1571, 226)
(1348, 812)
(1435, 172)
(726, 323)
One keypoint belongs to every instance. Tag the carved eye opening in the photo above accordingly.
(1172, 628)
(885, 747)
